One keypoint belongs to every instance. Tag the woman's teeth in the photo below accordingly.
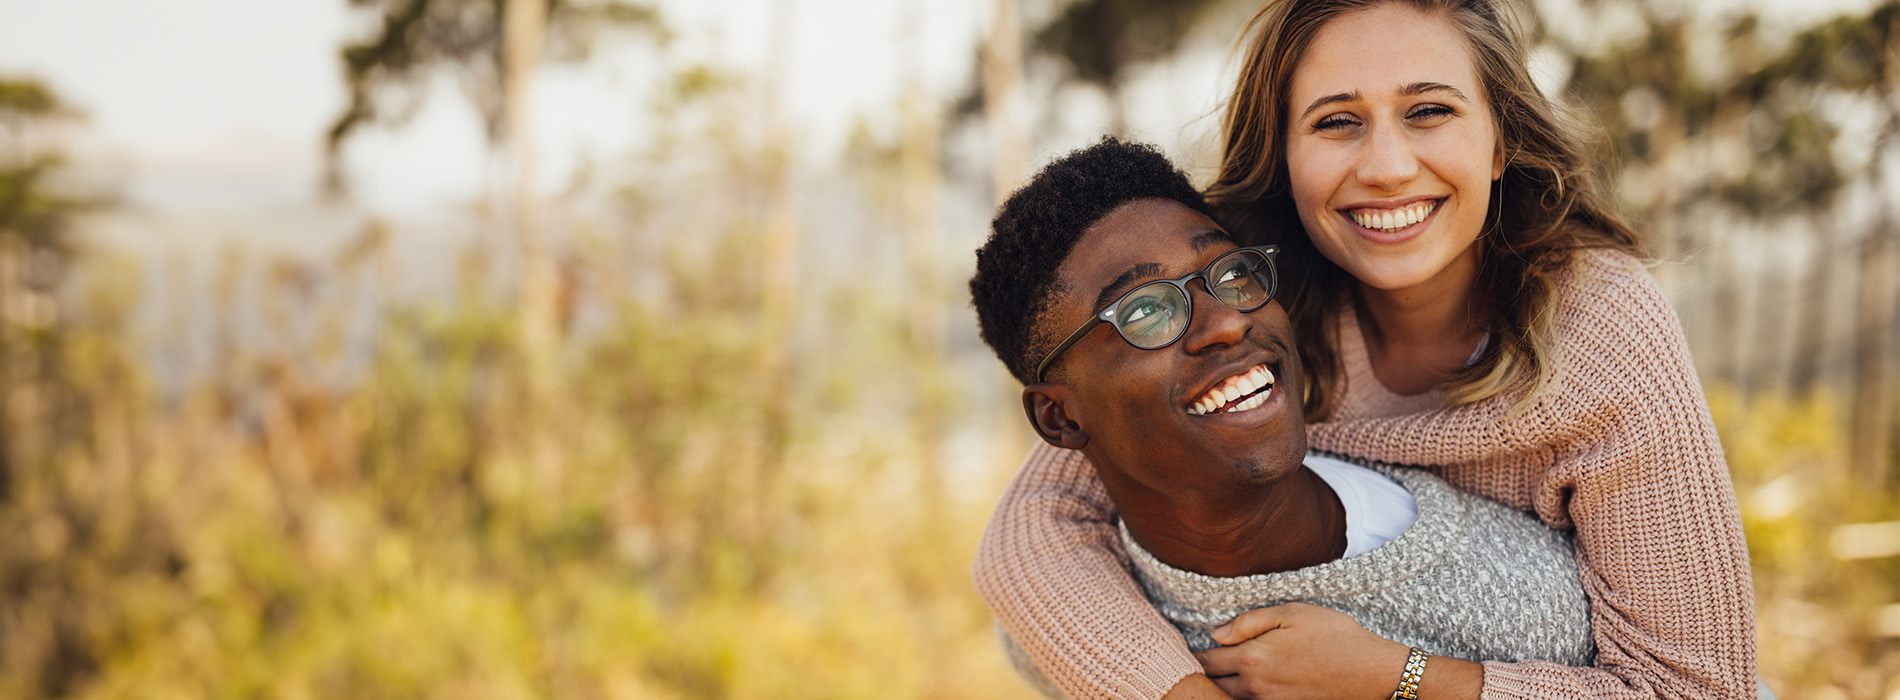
(1390, 220)
(1259, 379)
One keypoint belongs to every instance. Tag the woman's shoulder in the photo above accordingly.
(1605, 277)
(1609, 297)
(1615, 329)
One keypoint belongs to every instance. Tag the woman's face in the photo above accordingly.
(1391, 148)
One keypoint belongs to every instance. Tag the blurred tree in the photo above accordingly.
(1097, 41)
(34, 219)
(1001, 67)
(1859, 55)
(495, 47)
(1092, 42)
(387, 73)
(1759, 138)
(48, 650)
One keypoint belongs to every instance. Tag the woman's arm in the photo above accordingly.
(1659, 535)
(1052, 569)
(1623, 450)
(1309, 651)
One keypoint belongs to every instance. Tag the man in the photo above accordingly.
(1149, 342)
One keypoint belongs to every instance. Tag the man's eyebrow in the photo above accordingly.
(1210, 239)
(1121, 284)
(1411, 90)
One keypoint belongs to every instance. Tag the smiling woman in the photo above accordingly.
(1464, 299)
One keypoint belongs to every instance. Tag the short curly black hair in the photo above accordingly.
(1035, 229)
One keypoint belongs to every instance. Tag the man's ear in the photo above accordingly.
(1048, 408)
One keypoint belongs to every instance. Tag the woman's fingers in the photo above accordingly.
(1235, 688)
(1221, 661)
(1256, 622)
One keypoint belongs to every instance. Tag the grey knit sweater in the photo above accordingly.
(1470, 579)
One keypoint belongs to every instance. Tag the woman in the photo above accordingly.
(1465, 299)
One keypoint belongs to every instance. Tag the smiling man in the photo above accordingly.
(1149, 344)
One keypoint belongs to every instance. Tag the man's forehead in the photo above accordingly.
(1139, 232)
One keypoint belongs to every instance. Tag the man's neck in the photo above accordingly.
(1290, 524)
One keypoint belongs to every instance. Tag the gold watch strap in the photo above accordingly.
(1408, 683)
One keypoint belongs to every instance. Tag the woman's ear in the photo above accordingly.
(1498, 161)
(1048, 408)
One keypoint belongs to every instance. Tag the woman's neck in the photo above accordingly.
(1419, 335)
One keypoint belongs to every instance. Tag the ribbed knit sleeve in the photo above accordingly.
(1622, 449)
(1052, 569)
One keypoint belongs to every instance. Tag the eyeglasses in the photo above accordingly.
(1154, 315)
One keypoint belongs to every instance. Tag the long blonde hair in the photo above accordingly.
(1545, 208)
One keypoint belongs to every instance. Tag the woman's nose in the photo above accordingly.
(1387, 161)
(1214, 323)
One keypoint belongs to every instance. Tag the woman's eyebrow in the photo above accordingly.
(1416, 89)
(1329, 99)
(1411, 90)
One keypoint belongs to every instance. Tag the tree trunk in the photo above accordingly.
(1874, 354)
(1003, 100)
(1810, 311)
(922, 178)
(524, 27)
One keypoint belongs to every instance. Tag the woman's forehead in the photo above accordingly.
(1381, 51)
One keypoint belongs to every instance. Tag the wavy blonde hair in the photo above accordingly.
(1546, 207)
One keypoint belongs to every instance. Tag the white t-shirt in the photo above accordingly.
(1378, 509)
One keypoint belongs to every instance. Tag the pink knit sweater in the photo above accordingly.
(1622, 449)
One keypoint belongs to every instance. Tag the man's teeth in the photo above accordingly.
(1233, 388)
(1390, 220)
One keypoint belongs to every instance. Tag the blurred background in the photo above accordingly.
(607, 349)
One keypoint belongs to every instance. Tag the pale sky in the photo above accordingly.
(221, 104)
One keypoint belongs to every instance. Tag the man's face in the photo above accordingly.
(1146, 413)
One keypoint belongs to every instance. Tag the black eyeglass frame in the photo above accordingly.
(1107, 315)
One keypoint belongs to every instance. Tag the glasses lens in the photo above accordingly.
(1243, 280)
(1152, 316)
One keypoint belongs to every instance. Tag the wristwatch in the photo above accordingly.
(1408, 683)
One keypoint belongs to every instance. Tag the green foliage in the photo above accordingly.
(1817, 613)
(31, 208)
(678, 517)
(27, 98)
(1098, 39)
(386, 72)
(396, 536)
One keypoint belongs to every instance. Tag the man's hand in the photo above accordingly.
(1298, 650)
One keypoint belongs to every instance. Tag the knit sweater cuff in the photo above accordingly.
(1512, 681)
(1159, 677)
(1147, 674)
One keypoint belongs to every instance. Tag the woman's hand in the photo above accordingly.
(1298, 650)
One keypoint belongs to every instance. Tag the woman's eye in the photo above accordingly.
(1335, 122)
(1430, 113)
(1230, 275)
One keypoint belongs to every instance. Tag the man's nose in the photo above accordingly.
(1214, 324)
(1387, 161)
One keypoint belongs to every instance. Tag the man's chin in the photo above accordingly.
(1264, 471)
